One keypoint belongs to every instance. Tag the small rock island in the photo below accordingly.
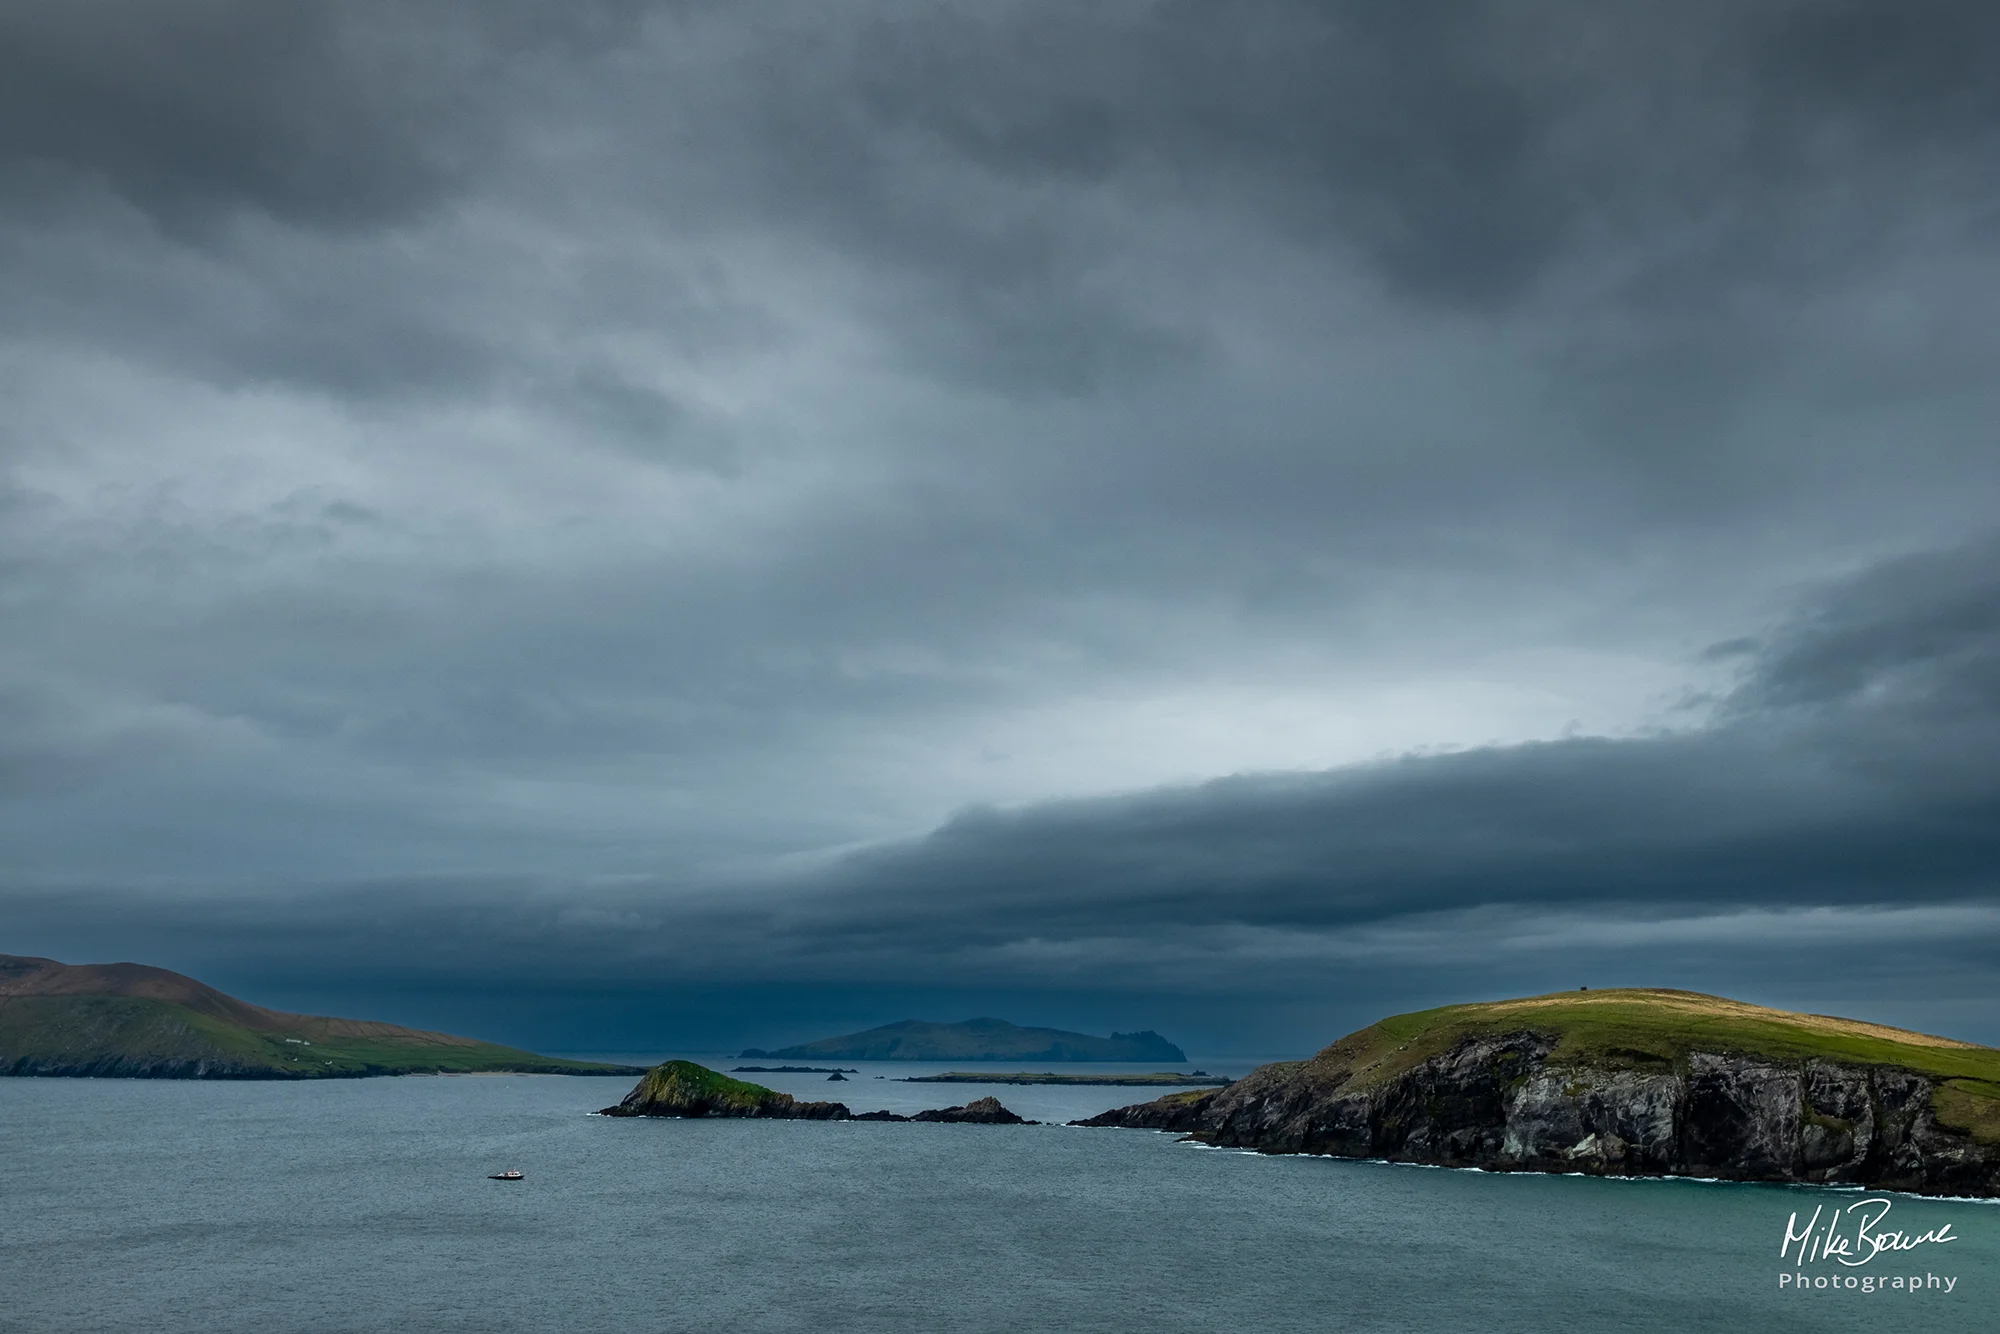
(1624, 1083)
(683, 1088)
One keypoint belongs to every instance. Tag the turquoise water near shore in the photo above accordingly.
(363, 1205)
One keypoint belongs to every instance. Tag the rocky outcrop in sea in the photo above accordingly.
(684, 1089)
(978, 1112)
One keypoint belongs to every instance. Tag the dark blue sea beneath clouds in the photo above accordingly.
(364, 1205)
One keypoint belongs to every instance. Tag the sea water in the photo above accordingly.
(364, 1205)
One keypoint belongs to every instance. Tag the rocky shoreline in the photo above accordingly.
(1504, 1102)
(124, 1066)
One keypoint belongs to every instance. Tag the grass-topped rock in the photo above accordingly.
(682, 1088)
(1625, 1082)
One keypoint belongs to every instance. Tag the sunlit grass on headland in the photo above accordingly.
(1656, 1028)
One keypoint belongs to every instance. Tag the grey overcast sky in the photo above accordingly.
(611, 523)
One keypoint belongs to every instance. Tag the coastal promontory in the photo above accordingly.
(129, 1020)
(1624, 1083)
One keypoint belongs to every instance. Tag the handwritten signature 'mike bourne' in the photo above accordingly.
(1867, 1240)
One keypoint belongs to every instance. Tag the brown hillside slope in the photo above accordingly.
(133, 1020)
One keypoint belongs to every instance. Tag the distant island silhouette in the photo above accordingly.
(976, 1040)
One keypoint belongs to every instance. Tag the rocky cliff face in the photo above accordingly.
(1499, 1102)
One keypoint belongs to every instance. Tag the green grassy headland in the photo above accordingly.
(132, 1020)
(1658, 1029)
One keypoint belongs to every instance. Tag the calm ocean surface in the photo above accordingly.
(363, 1205)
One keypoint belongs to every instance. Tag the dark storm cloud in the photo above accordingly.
(1791, 803)
(486, 484)
(187, 109)
(1467, 147)
(216, 178)
(1017, 162)
(1016, 177)
(352, 117)
(1852, 767)
(1920, 634)
(1472, 149)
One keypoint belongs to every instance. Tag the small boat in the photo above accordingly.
(511, 1174)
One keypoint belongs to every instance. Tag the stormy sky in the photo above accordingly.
(624, 524)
